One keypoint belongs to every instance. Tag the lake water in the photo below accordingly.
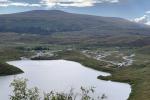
(62, 75)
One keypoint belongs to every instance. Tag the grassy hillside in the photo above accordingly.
(6, 69)
(58, 27)
(8, 54)
(77, 39)
(144, 50)
(54, 21)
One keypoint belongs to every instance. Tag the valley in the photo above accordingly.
(114, 45)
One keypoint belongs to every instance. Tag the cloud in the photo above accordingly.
(74, 3)
(3, 0)
(147, 12)
(143, 20)
(54, 3)
(6, 3)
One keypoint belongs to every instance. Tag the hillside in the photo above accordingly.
(54, 21)
(58, 27)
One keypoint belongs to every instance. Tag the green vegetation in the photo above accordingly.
(22, 92)
(6, 69)
(138, 77)
(54, 21)
(58, 27)
(7, 54)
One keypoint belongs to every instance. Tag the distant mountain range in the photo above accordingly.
(54, 26)
(54, 21)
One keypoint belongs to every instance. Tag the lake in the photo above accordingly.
(62, 75)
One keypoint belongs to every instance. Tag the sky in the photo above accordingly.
(134, 10)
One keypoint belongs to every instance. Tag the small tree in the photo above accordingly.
(86, 93)
(33, 94)
(21, 92)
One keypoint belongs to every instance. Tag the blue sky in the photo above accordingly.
(137, 10)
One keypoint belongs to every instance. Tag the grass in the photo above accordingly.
(114, 57)
(8, 54)
(138, 77)
(6, 69)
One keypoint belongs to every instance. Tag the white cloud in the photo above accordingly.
(74, 3)
(53, 3)
(3, 0)
(6, 3)
(147, 12)
(143, 20)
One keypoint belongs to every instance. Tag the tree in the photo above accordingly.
(22, 92)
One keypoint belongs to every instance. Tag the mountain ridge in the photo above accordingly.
(53, 21)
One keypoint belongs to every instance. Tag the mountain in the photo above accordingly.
(55, 21)
(59, 27)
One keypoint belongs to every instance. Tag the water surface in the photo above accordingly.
(62, 75)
